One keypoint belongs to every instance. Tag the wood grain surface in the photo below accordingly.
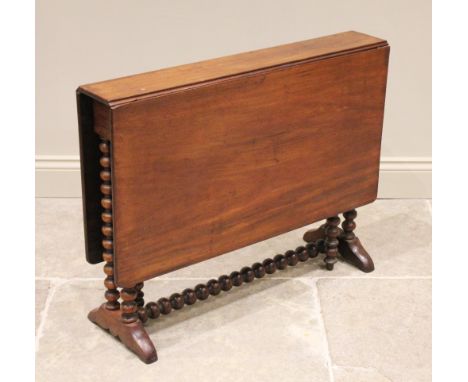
(146, 84)
(206, 170)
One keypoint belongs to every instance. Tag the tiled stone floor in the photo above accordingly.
(301, 324)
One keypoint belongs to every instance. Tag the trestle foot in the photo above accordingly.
(133, 335)
(349, 246)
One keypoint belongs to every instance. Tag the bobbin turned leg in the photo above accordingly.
(140, 301)
(350, 247)
(331, 241)
(120, 319)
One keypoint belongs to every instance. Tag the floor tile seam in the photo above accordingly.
(328, 358)
(54, 285)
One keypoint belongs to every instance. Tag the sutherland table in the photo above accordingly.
(183, 164)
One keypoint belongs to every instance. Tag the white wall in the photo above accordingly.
(85, 41)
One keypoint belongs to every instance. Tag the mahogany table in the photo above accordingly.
(183, 164)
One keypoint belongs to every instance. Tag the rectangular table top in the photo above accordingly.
(146, 84)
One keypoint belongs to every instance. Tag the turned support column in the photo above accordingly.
(350, 246)
(140, 301)
(349, 225)
(112, 294)
(331, 241)
(129, 306)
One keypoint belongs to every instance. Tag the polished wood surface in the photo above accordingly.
(207, 169)
(200, 173)
(147, 84)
